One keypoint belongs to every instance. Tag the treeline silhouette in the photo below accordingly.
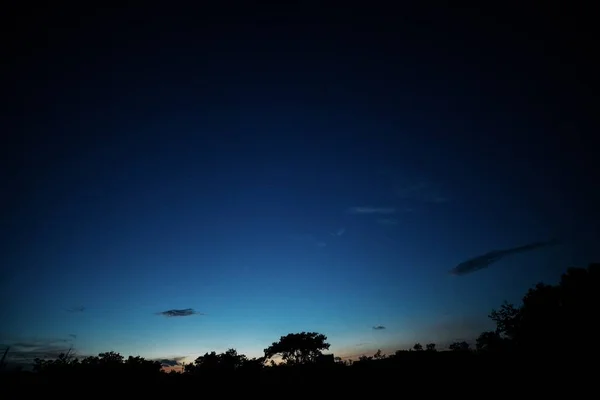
(551, 333)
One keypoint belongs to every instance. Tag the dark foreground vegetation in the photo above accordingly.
(546, 342)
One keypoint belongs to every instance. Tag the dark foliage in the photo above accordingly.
(549, 335)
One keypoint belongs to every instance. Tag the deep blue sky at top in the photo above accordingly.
(165, 160)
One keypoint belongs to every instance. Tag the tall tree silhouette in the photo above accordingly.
(551, 316)
(298, 348)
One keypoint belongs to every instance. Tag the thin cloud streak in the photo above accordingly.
(186, 312)
(487, 259)
(372, 210)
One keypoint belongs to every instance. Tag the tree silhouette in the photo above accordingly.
(207, 362)
(142, 366)
(110, 358)
(252, 364)
(298, 348)
(62, 363)
(231, 360)
(492, 341)
(459, 346)
(363, 359)
(551, 316)
(227, 362)
(550, 320)
(507, 320)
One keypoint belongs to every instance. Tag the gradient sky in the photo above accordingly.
(164, 161)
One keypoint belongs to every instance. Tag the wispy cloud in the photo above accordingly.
(423, 191)
(372, 210)
(186, 312)
(487, 259)
(378, 327)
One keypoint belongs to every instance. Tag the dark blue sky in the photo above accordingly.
(164, 160)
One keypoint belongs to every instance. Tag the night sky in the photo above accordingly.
(278, 169)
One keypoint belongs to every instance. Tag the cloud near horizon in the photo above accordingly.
(186, 312)
(170, 362)
(24, 352)
(372, 210)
